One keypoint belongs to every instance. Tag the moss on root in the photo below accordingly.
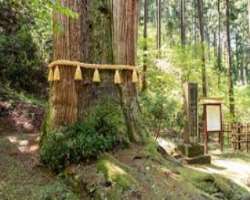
(115, 172)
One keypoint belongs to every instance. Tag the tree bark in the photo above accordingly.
(63, 100)
(125, 27)
(96, 47)
(230, 64)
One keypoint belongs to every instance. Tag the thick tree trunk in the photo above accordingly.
(203, 58)
(96, 48)
(63, 100)
(230, 64)
(105, 32)
(125, 21)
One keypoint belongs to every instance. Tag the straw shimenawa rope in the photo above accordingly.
(91, 66)
(54, 73)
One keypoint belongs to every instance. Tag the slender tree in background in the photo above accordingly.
(186, 134)
(219, 48)
(247, 64)
(203, 58)
(158, 35)
(104, 32)
(183, 24)
(230, 64)
(145, 45)
(249, 15)
(239, 58)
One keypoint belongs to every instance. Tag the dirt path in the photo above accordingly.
(235, 166)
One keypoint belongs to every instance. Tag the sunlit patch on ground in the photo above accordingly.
(25, 145)
(236, 169)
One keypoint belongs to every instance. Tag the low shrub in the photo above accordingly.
(100, 132)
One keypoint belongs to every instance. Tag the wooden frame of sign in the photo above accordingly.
(212, 108)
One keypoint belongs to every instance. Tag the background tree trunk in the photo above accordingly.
(230, 64)
(158, 35)
(219, 51)
(183, 24)
(203, 58)
(249, 15)
(145, 45)
(184, 81)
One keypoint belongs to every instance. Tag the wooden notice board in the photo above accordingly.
(213, 118)
(212, 108)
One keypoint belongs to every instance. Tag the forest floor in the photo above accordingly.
(22, 177)
(135, 173)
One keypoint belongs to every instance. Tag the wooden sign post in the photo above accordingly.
(212, 108)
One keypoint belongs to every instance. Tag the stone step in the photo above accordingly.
(202, 160)
(191, 150)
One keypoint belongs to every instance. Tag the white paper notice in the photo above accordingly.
(213, 118)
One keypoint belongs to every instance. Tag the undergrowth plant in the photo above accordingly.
(100, 132)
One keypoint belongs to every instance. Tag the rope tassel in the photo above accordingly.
(78, 74)
(134, 76)
(117, 78)
(57, 74)
(96, 77)
(51, 75)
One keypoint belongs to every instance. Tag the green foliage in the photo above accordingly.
(161, 102)
(150, 150)
(98, 133)
(19, 52)
(57, 6)
(160, 111)
(20, 63)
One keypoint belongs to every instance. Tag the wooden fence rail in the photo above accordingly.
(237, 134)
